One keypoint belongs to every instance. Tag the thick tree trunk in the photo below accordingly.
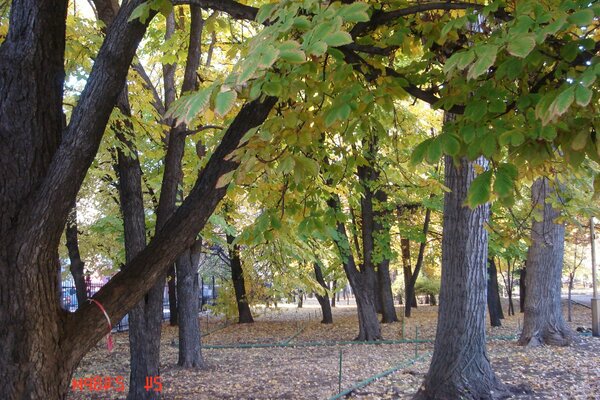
(522, 289)
(239, 284)
(77, 264)
(323, 299)
(493, 295)
(543, 322)
(460, 367)
(190, 349)
(42, 171)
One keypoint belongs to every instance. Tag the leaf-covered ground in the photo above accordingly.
(303, 361)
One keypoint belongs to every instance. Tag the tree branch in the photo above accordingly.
(86, 326)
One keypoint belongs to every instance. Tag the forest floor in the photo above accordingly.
(289, 354)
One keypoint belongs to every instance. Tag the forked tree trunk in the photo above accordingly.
(323, 299)
(493, 295)
(76, 266)
(239, 284)
(460, 367)
(190, 349)
(543, 322)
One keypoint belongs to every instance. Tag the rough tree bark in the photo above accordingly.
(382, 247)
(239, 285)
(190, 346)
(76, 266)
(42, 169)
(323, 299)
(362, 283)
(146, 317)
(493, 295)
(460, 367)
(543, 322)
(333, 290)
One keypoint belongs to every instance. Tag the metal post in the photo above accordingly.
(595, 299)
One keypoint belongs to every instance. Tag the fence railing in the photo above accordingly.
(207, 295)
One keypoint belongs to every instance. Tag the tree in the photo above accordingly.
(493, 294)
(36, 203)
(460, 367)
(239, 286)
(323, 299)
(543, 322)
(76, 266)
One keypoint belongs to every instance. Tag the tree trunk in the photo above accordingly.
(522, 289)
(172, 293)
(569, 304)
(145, 319)
(334, 292)
(190, 348)
(493, 295)
(239, 285)
(77, 264)
(381, 247)
(323, 299)
(460, 367)
(386, 296)
(409, 291)
(543, 322)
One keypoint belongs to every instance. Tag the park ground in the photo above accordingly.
(288, 354)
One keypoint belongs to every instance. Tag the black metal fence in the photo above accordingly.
(207, 295)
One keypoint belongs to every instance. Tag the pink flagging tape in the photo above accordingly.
(109, 342)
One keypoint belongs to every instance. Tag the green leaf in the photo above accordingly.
(265, 12)
(450, 144)
(268, 56)
(548, 133)
(486, 56)
(583, 95)
(418, 153)
(488, 145)
(294, 56)
(506, 175)
(582, 17)
(224, 101)
(562, 102)
(479, 192)
(521, 45)
(318, 48)
(141, 12)
(338, 38)
(434, 151)
(579, 141)
(355, 12)
(302, 22)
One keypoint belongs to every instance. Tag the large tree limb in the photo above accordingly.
(84, 133)
(86, 326)
(233, 8)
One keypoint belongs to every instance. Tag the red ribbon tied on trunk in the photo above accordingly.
(109, 342)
